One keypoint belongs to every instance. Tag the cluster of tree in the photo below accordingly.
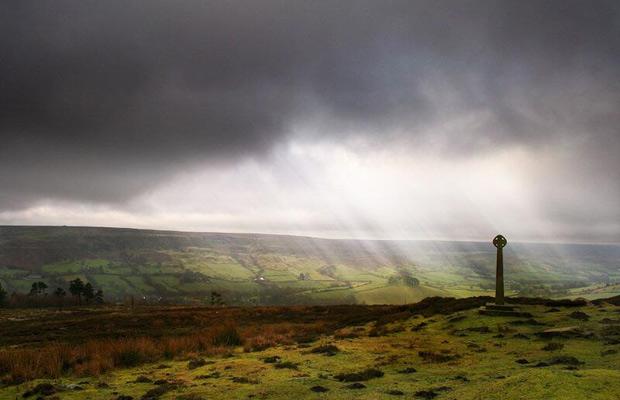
(532, 289)
(80, 289)
(405, 278)
(192, 277)
(38, 295)
(38, 288)
(216, 299)
(3, 295)
(304, 276)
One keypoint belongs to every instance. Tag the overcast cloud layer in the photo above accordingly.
(402, 119)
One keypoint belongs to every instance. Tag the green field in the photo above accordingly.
(155, 266)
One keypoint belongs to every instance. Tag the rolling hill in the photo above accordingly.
(169, 266)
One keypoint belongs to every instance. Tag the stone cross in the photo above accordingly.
(500, 242)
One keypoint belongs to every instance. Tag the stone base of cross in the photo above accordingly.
(503, 310)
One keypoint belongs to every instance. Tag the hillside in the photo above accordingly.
(439, 348)
(169, 266)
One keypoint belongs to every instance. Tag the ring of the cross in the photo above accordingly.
(499, 241)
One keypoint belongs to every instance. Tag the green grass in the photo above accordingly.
(398, 294)
(6, 272)
(112, 283)
(75, 266)
(138, 283)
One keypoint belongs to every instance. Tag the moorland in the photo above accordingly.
(438, 348)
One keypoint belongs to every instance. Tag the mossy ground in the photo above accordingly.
(481, 363)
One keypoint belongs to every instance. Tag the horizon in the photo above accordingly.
(310, 236)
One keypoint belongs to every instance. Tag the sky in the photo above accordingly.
(346, 119)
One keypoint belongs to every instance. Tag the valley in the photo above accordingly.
(250, 269)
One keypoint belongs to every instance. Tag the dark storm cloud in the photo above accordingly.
(99, 100)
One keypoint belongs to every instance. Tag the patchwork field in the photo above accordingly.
(439, 348)
(247, 269)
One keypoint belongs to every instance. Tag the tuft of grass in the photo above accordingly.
(227, 335)
(433, 357)
(329, 349)
(286, 365)
(364, 375)
(129, 358)
(553, 346)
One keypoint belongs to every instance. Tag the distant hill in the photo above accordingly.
(174, 266)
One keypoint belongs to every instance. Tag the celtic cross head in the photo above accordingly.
(499, 241)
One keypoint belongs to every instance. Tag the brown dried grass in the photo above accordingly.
(98, 356)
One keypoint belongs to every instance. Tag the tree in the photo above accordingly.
(2, 295)
(216, 299)
(38, 288)
(76, 287)
(99, 297)
(60, 296)
(89, 292)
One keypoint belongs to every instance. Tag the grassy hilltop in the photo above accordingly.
(439, 348)
(274, 269)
